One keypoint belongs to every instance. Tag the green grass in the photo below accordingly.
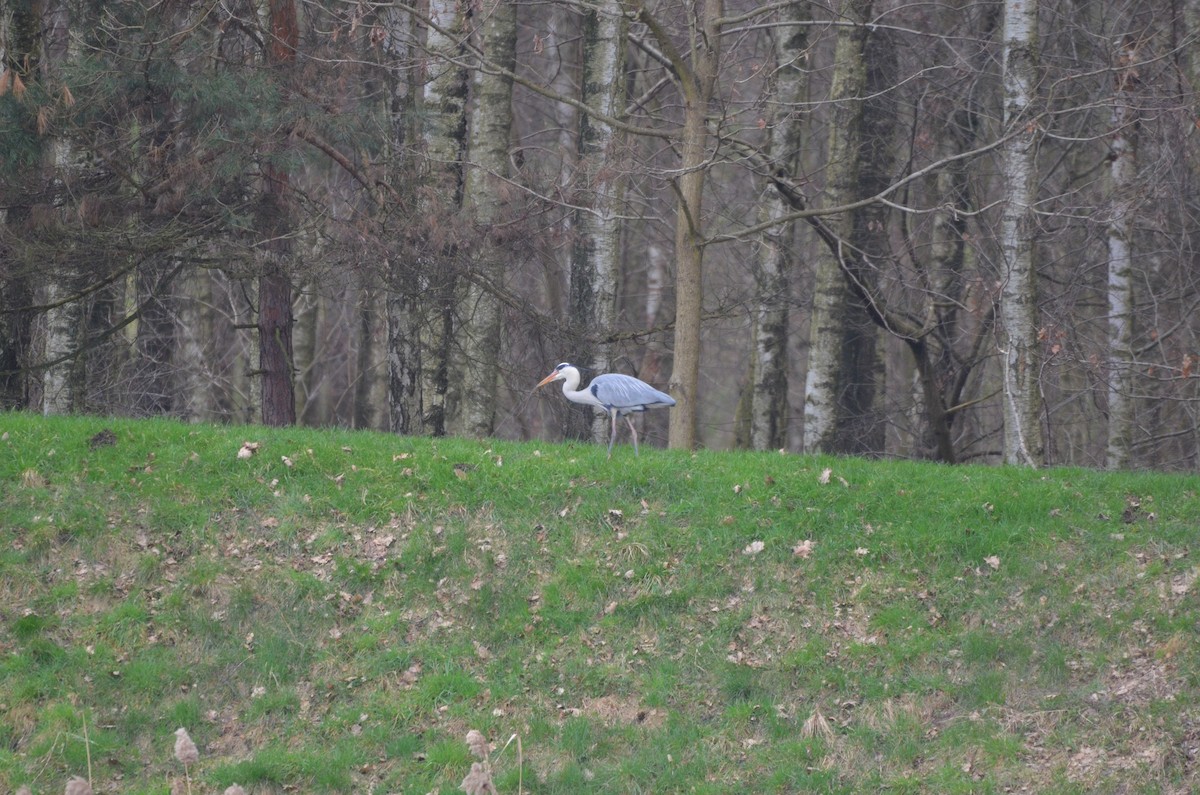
(338, 622)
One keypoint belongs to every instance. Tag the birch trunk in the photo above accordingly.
(485, 194)
(769, 385)
(401, 300)
(596, 255)
(194, 377)
(1018, 332)
(421, 298)
(1121, 307)
(63, 377)
(824, 381)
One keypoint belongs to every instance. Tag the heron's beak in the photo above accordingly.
(547, 379)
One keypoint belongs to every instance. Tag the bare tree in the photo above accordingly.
(485, 191)
(596, 251)
(1123, 173)
(1019, 346)
(774, 259)
(832, 332)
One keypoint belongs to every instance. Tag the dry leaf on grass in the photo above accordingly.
(804, 549)
(247, 450)
(753, 548)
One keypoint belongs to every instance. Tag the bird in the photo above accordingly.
(615, 394)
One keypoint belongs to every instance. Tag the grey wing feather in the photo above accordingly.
(626, 393)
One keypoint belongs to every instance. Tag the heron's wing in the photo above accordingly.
(626, 393)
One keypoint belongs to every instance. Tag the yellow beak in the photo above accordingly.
(547, 379)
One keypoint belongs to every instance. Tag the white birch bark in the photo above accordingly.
(1018, 332)
(429, 116)
(831, 295)
(192, 365)
(485, 193)
(596, 255)
(62, 379)
(768, 399)
(401, 297)
(1123, 173)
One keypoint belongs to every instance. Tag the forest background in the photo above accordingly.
(961, 231)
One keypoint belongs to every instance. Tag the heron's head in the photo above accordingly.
(557, 374)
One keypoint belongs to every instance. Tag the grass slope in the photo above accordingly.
(337, 611)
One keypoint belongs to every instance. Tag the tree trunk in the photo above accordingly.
(596, 254)
(275, 321)
(422, 288)
(768, 409)
(1019, 355)
(826, 378)
(307, 309)
(63, 377)
(369, 393)
(485, 195)
(1121, 307)
(401, 297)
(697, 76)
(193, 395)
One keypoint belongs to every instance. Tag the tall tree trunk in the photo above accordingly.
(421, 288)
(1121, 307)
(769, 362)
(861, 423)
(697, 76)
(401, 298)
(826, 378)
(1019, 355)
(485, 196)
(64, 375)
(596, 254)
(275, 319)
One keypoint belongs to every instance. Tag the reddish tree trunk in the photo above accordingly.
(275, 319)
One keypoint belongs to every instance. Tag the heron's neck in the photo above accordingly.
(572, 392)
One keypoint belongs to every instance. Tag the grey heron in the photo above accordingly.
(615, 394)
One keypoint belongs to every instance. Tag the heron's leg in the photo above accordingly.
(612, 438)
(632, 430)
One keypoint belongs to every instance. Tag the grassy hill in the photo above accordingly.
(335, 611)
